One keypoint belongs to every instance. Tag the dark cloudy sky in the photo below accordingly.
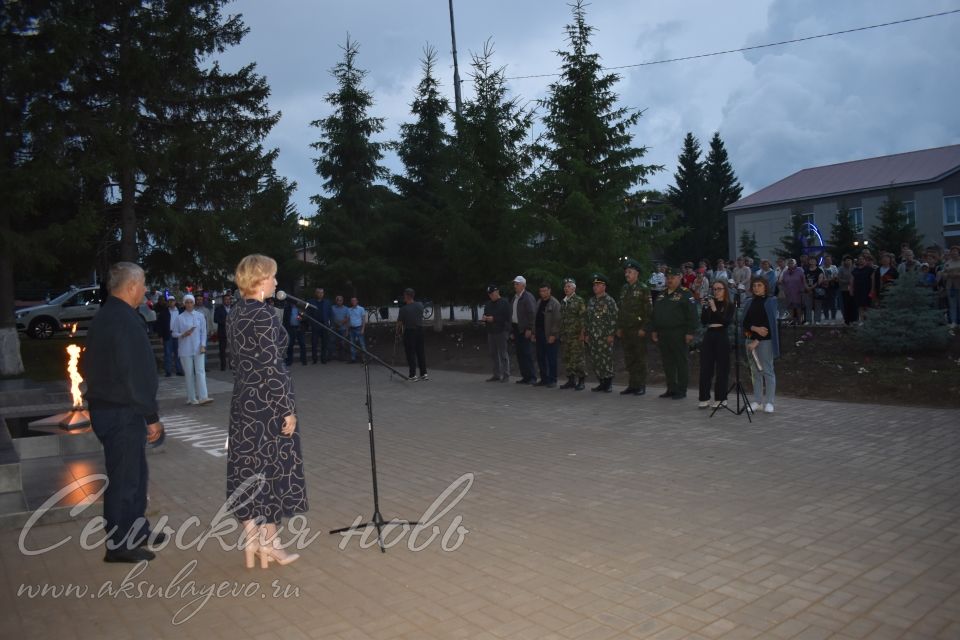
(778, 109)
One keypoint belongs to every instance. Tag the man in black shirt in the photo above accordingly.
(409, 321)
(121, 376)
(496, 315)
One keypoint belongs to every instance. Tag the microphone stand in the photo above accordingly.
(377, 519)
(741, 393)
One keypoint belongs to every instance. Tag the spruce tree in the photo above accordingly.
(842, 236)
(422, 218)
(721, 189)
(893, 229)
(748, 245)
(688, 196)
(793, 244)
(487, 230)
(591, 163)
(906, 322)
(349, 230)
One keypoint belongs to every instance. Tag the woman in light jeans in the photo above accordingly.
(190, 329)
(950, 280)
(760, 328)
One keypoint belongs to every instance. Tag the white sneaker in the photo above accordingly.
(424, 377)
(192, 402)
(704, 404)
(413, 378)
(768, 408)
(756, 406)
(206, 401)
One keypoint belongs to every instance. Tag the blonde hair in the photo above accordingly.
(252, 270)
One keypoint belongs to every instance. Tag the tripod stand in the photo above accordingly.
(377, 519)
(737, 386)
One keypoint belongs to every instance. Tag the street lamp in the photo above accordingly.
(304, 223)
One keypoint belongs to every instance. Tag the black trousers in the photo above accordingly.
(123, 433)
(714, 363)
(319, 334)
(413, 346)
(524, 354)
(850, 311)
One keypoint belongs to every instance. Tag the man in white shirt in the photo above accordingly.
(190, 329)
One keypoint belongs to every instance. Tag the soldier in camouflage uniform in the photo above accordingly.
(635, 311)
(672, 327)
(572, 315)
(601, 326)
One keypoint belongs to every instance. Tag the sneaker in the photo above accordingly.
(704, 404)
(192, 402)
(424, 377)
(413, 378)
(756, 406)
(768, 408)
(493, 379)
(206, 401)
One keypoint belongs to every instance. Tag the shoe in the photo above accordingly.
(315, 362)
(768, 408)
(641, 390)
(540, 383)
(206, 401)
(569, 384)
(551, 385)
(629, 391)
(608, 385)
(493, 379)
(271, 554)
(599, 387)
(580, 385)
(412, 378)
(680, 395)
(131, 556)
(525, 381)
(505, 379)
(756, 406)
(180, 373)
(704, 404)
(666, 394)
(424, 377)
(192, 402)
(153, 539)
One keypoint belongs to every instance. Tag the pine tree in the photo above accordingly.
(793, 244)
(487, 232)
(748, 245)
(721, 188)
(842, 236)
(894, 230)
(422, 219)
(688, 196)
(906, 322)
(590, 163)
(349, 231)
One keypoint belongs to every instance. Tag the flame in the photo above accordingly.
(73, 329)
(75, 377)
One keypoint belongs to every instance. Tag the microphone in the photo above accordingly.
(283, 295)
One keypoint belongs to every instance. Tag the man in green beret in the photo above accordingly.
(635, 311)
(672, 327)
(601, 327)
(573, 313)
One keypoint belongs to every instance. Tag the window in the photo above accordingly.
(807, 217)
(856, 219)
(951, 210)
(909, 209)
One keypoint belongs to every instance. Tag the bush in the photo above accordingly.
(906, 321)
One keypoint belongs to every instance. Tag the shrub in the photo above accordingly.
(906, 321)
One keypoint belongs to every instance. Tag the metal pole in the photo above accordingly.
(456, 69)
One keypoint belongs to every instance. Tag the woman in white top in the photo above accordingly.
(190, 329)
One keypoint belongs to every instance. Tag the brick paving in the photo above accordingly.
(590, 516)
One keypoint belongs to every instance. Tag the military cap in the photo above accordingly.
(630, 263)
(599, 277)
(491, 288)
(569, 281)
(671, 271)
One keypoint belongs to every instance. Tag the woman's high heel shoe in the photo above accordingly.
(271, 554)
(250, 552)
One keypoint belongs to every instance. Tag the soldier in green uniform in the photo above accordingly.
(632, 320)
(672, 327)
(573, 312)
(601, 326)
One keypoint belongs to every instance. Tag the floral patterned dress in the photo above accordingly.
(264, 468)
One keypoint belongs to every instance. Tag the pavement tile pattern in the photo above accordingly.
(587, 516)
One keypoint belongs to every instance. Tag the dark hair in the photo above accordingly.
(763, 280)
(409, 292)
(545, 285)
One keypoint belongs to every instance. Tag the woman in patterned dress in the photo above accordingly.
(264, 466)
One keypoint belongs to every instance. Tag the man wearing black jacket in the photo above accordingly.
(121, 376)
(524, 314)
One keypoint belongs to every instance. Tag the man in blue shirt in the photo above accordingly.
(294, 325)
(338, 318)
(357, 321)
(321, 312)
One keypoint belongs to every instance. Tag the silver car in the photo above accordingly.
(76, 306)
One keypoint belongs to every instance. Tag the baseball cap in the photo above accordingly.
(520, 280)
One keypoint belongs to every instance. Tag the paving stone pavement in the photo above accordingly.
(587, 516)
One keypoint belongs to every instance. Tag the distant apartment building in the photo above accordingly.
(927, 182)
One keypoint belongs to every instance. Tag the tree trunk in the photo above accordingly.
(11, 364)
(128, 215)
(437, 317)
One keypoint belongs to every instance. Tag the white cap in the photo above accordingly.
(189, 297)
(520, 280)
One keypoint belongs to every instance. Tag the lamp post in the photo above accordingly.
(304, 223)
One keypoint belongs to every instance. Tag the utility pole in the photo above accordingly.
(456, 68)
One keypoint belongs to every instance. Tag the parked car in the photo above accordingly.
(78, 305)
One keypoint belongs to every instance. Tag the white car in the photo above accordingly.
(76, 306)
